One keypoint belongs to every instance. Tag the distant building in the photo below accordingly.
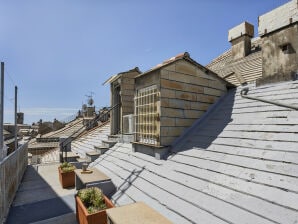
(271, 57)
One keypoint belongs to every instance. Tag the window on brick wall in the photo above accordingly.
(146, 114)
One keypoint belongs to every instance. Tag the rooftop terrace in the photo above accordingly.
(40, 198)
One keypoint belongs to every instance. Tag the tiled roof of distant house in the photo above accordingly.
(69, 129)
(249, 67)
(73, 128)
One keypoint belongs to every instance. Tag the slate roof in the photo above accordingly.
(238, 165)
(86, 142)
(249, 67)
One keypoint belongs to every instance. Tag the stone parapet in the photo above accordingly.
(278, 18)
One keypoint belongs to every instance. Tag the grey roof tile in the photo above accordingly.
(86, 142)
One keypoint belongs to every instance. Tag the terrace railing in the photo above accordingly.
(12, 169)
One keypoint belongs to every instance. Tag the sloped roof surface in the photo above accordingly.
(167, 62)
(68, 130)
(182, 56)
(239, 165)
(5, 132)
(74, 128)
(91, 138)
(45, 145)
(117, 76)
(249, 67)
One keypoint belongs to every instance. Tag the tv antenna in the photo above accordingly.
(90, 99)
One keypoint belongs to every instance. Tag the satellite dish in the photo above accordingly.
(84, 107)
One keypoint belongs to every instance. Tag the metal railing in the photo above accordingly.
(89, 125)
(245, 90)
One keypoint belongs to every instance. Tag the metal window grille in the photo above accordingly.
(146, 113)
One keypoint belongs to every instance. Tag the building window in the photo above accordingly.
(286, 48)
(147, 117)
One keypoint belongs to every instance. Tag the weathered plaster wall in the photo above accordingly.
(275, 60)
(241, 47)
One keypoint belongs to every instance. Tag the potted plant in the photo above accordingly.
(67, 174)
(91, 205)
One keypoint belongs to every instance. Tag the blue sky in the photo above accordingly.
(58, 51)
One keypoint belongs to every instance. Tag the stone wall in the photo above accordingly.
(12, 169)
(186, 93)
(127, 93)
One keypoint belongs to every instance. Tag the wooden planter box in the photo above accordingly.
(67, 179)
(83, 217)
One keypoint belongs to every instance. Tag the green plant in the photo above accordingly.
(67, 167)
(93, 199)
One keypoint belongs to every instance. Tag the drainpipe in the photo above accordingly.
(1, 111)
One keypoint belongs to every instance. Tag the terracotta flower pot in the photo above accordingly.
(83, 217)
(67, 179)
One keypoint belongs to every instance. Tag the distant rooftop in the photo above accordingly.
(249, 67)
